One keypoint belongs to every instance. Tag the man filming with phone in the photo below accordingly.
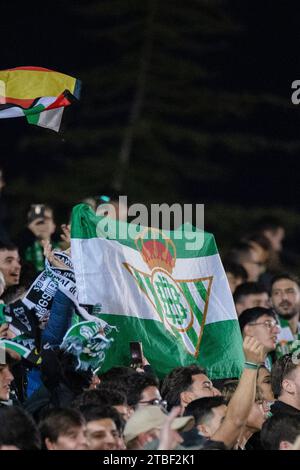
(40, 227)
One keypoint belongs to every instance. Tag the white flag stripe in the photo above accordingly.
(102, 278)
(196, 296)
(51, 119)
(11, 112)
(188, 343)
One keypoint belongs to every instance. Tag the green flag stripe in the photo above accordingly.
(33, 114)
(193, 336)
(191, 301)
(84, 225)
(166, 351)
(18, 348)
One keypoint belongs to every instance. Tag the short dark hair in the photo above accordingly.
(228, 389)
(248, 288)
(177, 381)
(240, 252)
(116, 373)
(17, 428)
(281, 369)
(202, 408)
(58, 422)
(100, 397)
(280, 276)
(94, 413)
(237, 270)
(260, 239)
(271, 223)
(9, 246)
(119, 378)
(137, 385)
(250, 315)
(280, 427)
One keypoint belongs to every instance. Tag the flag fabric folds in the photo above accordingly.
(175, 300)
(37, 93)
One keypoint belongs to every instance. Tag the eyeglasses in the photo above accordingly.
(267, 323)
(155, 402)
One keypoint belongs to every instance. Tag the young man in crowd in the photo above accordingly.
(252, 260)
(63, 429)
(249, 295)
(10, 264)
(285, 298)
(285, 380)
(104, 428)
(229, 423)
(210, 413)
(143, 390)
(40, 228)
(273, 229)
(184, 384)
(280, 431)
(104, 396)
(261, 323)
(242, 401)
(235, 273)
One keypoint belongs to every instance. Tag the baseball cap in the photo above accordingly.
(152, 417)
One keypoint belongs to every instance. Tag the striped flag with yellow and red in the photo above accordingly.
(37, 93)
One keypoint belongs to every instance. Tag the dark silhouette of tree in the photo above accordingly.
(181, 101)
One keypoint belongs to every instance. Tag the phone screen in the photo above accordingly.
(136, 353)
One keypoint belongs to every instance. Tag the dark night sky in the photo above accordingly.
(265, 60)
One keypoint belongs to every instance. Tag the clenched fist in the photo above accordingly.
(254, 350)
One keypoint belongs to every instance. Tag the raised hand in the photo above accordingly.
(254, 350)
(49, 254)
(66, 235)
(169, 438)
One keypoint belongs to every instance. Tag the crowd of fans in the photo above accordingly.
(51, 404)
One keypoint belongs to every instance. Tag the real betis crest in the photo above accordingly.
(181, 304)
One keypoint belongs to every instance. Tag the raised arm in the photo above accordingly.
(242, 400)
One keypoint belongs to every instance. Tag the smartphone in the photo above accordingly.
(136, 353)
(37, 211)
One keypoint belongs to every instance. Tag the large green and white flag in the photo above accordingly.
(175, 300)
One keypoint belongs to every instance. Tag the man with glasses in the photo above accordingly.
(285, 380)
(143, 390)
(285, 298)
(261, 324)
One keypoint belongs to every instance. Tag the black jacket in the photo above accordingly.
(281, 407)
